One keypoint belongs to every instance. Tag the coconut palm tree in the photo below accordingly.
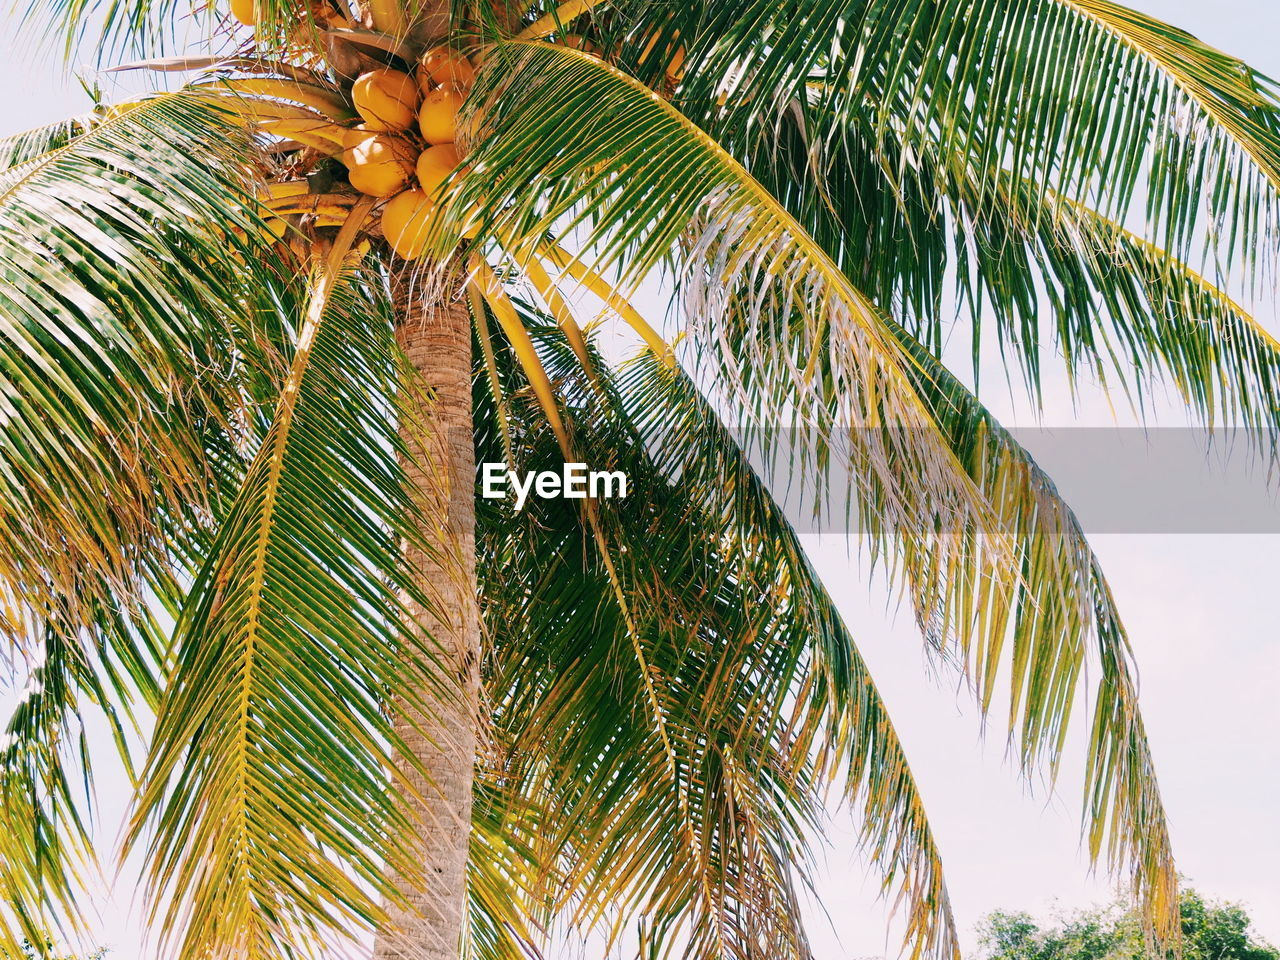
(259, 329)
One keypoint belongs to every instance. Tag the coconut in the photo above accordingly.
(442, 66)
(438, 118)
(407, 222)
(245, 11)
(378, 164)
(387, 100)
(434, 166)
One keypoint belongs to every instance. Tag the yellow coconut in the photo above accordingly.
(378, 164)
(434, 166)
(442, 66)
(245, 11)
(387, 100)
(407, 223)
(438, 118)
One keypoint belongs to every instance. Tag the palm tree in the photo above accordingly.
(253, 348)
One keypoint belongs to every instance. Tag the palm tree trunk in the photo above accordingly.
(435, 333)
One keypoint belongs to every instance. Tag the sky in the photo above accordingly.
(1200, 609)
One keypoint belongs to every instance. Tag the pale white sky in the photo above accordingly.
(1200, 609)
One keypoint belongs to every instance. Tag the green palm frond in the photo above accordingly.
(505, 920)
(935, 146)
(847, 723)
(47, 772)
(121, 269)
(792, 340)
(1057, 634)
(109, 28)
(1104, 104)
(712, 612)
(1120, 307)
(30, 144)
(765, 302)
(45, 843)
(1124, 309)
(122, 272)
(276, 813)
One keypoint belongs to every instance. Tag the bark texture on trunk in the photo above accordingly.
(435, 333)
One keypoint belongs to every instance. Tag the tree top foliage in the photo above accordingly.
(1211, 930)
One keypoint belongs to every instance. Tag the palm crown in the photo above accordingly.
(233, 494)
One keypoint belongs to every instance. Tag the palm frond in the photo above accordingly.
(638, 179)
(940, 145)
(1031, 262)
(1123, 309)
(1057, 635)
(505, 921)
(21, 147)
(791, 339)
(761, 694)
(847, 724)
(273, 792)
(1106, 105)
(45, 843)
(122, 267)
(107, 31)
(122, 271)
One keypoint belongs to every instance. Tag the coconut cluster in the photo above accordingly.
(405, 147)
(402, 147)
(395, 129)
